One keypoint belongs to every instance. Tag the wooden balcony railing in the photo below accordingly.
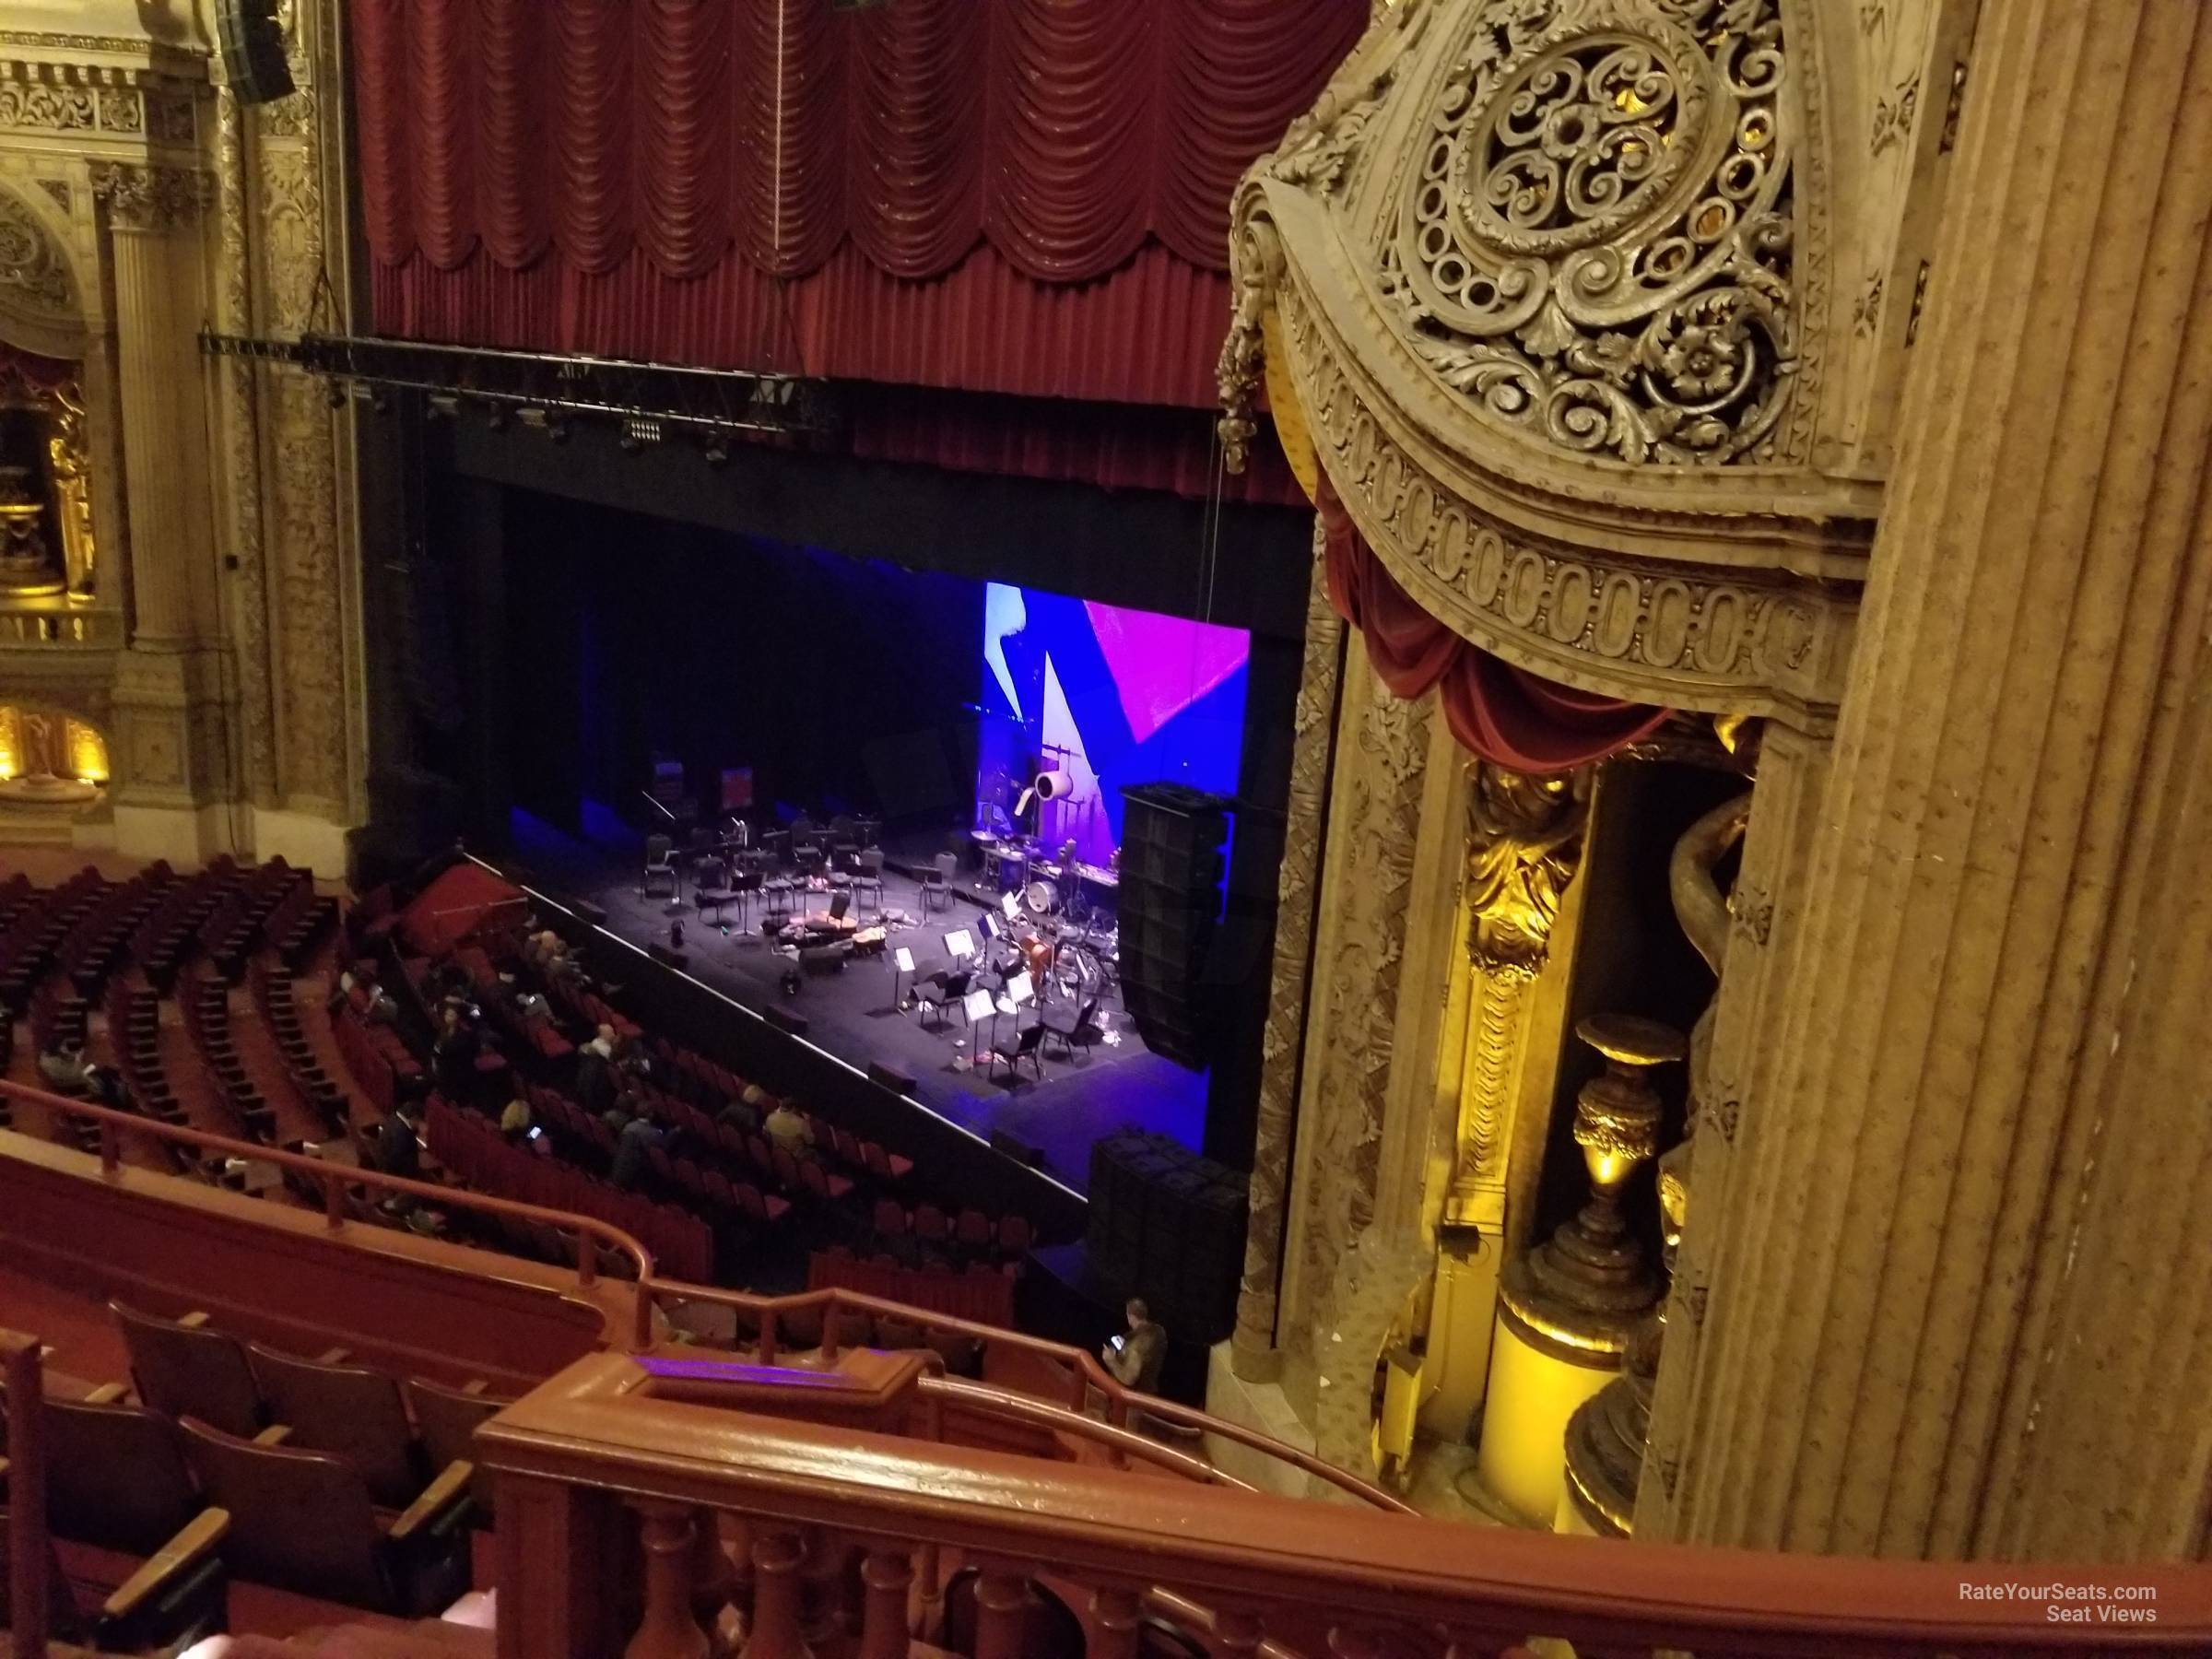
(1076, 1379)
(631, 1518)
(29, 1554)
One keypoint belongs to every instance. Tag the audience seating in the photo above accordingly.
(185, 1368)
(350, 1412)
(169, 1604)
(306, 1521)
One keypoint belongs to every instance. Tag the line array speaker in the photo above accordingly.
(251, 42)
(1169, 1226)
(1170, 908)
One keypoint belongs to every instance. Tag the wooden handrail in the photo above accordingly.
(1314, 1580)
(332, 1179)
(1085, 1375)
(28, 1554)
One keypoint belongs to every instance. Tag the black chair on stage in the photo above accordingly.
(838, 904)
(1083, 1029)
(660, 867)
(869, 877)
(712, 889)
(949, 990)
(936, 883)
(1024, 1047)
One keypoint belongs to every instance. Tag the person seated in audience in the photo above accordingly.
(741, 1114)
(62, 1069)
(788, 1130)
(636, 1141)
(394, 1149)
(453, 1055)
(514, 1122)
(596, 1084)
(1134, 1356)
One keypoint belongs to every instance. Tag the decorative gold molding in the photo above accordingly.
(1678, 634)
(32, 267)
(1253, 1350)
(149, 198)
(1551, 276)
(1524, 843)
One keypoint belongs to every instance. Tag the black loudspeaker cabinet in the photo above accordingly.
(251, 42)
(1168, 1225)
(1170, 908)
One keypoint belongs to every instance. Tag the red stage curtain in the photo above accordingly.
(1507, 715)
(983, 193)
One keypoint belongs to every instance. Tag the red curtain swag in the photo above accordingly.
(621, 175)
(1505, 714)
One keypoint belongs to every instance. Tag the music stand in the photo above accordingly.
(903, 961)
(959, 944)
(979, 1006)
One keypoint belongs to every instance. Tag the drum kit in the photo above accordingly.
(1069, 941)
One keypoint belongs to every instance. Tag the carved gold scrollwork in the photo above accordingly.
(1596, 246)
(1523, 844)
(30, 264)
(1525, 841)
(148, 198)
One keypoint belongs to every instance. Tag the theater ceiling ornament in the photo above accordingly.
(1547, 280)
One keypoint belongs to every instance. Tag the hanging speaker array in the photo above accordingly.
(251, 42)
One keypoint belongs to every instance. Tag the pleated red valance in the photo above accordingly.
(1505, 714)
(645, 143)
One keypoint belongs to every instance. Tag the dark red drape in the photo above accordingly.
(981, 194)
(1505, 714)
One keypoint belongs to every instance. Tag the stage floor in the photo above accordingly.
(853, 1014)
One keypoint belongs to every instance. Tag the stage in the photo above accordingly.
(854, 1014)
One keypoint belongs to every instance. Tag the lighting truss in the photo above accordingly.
(648, 401)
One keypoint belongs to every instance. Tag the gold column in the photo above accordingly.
(1253, 1349)
(1898, 1240)
(152, 216)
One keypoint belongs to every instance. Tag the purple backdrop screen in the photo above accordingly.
(1110, 698)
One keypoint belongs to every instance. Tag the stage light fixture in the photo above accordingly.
(443, 404)
(718, 450)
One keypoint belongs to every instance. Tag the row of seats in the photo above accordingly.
(319, 1477)
(472, 1150)
(36, 932)
(232, 931)
(279, 1010)
(205, 1000)
(168, 937)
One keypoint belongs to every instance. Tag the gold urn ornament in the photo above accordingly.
(26, 569)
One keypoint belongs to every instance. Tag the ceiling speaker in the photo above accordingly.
(252, 47)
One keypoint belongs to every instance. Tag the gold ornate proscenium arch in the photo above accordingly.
(1543, 288)
(1548, 279)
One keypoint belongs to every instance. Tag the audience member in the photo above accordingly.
(788, 1130)
(633, 1147)
(394, 1149)
(514, 1122)
(1134, 1356)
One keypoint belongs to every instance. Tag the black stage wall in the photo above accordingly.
(487, 547)
(844, 684)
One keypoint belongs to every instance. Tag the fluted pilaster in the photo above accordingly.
(151, 214)
(1918, 1206)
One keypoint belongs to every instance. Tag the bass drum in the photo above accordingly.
(1040, 898)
